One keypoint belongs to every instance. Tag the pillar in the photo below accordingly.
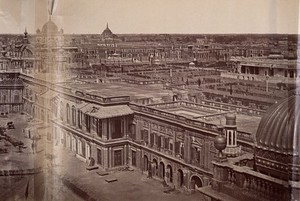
(105, 157)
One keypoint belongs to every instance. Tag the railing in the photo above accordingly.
(221, 107)
(254, 184)
(10, 71)
(19, 172)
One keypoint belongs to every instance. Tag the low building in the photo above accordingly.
(262, 69)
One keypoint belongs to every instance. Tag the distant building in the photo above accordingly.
(260, 69)
(14, 57)
(51, 52)
(107, 33)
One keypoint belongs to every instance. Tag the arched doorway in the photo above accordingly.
(170, 173)
(146, 165)
(155, 167)
(196, 182)
(161, 170)
(180, 177)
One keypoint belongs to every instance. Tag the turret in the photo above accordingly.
(232, 148)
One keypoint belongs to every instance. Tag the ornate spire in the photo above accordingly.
(25, 40)
(106, 25)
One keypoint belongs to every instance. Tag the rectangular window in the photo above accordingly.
(166, 143)
(83, 149)
(88, 123)
(117, 158)
(146, 137)
(99, 157)
(133, 157)
(151, 139)
(116, 128)
(99, 127)
(177, 147)
(79, 147)
(79, 120)
(132, 131)
(158, 141)
(142, 135)
(171, 147)
(182, 151)
(16, 98)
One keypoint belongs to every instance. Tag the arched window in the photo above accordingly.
(73, 115)
(68, 113)
(55, 108)
(61, 106)
(79, 119)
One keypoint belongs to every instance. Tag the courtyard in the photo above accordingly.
(65, 176)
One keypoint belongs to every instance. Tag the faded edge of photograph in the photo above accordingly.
(149, 100)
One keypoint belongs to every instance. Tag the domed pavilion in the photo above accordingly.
(277, 143)
(272, 172)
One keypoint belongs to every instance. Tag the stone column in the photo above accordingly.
(105, 157)
(110, 157)
(94, 152)
(126, 155)
(187, 148)
(138, 129)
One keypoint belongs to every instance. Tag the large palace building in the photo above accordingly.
(173, 141)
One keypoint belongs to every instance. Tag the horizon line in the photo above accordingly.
(29, 33)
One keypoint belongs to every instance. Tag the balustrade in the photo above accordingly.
(256, 186)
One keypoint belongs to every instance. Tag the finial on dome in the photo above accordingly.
(107, 25)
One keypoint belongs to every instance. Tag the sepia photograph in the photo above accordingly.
(149, 100)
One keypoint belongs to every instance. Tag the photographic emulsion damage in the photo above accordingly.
(139, 100)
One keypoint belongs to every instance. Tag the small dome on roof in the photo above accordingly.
(107, 32)
(49, 27)
(230, 119)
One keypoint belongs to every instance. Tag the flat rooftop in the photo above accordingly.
(192, 113)
(245, 123)
(121, 89)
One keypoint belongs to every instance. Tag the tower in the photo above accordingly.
(25, 39)
(232, 149)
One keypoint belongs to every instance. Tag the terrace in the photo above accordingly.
(213, 113)
(203, 117)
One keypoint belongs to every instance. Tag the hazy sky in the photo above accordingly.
(153, 16)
